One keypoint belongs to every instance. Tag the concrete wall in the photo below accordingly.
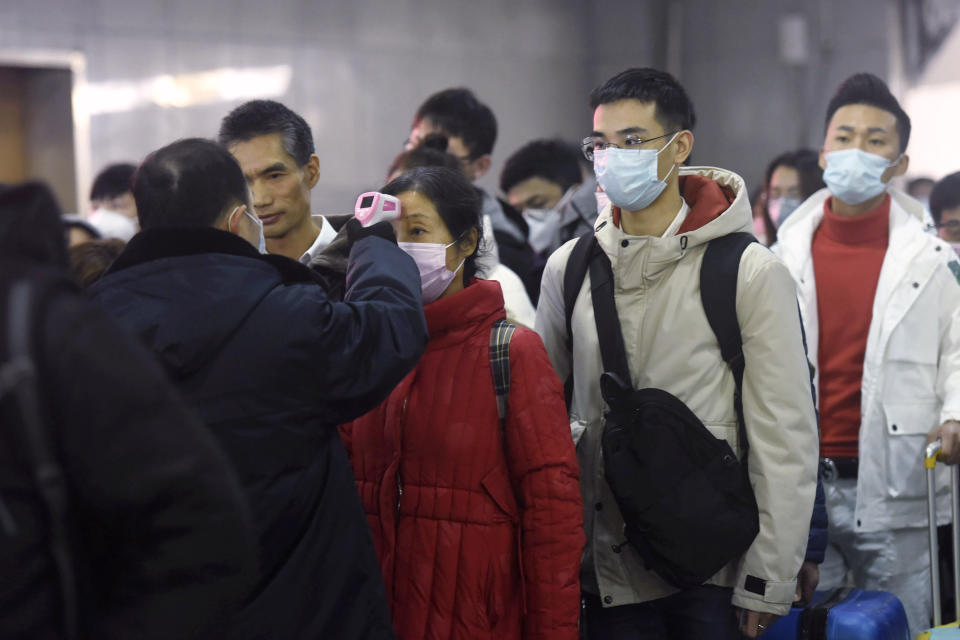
(750, 104)
(357, 69)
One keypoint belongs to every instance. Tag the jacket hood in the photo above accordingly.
(718, 206)
(185, 292)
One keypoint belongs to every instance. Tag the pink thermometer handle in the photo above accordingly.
(373, 207)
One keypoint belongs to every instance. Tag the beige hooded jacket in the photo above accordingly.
(670, 346)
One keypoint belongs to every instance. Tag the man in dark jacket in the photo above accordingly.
(273, 366)
(157, 540)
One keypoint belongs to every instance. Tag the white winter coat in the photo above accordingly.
(670, 345)
(911, 371)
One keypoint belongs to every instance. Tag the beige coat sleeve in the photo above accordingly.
(781, 430)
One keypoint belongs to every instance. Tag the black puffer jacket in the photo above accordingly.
(160, 533)
(272, 366)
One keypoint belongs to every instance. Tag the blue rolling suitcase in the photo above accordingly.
(844, 614)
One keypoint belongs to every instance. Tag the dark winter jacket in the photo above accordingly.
(273, 366)
(161, 537)
(479, 536)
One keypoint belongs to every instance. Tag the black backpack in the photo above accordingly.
(686, 500)
(19, 382)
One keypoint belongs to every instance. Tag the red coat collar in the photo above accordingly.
(705, 197)
(475, 308)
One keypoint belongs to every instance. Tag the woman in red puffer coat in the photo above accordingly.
(478, 526)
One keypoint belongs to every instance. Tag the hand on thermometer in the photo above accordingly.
(373, 207)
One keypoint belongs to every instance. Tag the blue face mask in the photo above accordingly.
(629, 176)
(855, 176)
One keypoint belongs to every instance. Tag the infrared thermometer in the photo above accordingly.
(373, 207)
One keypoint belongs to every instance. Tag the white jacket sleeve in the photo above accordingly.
(948, 367)
(781, 431)
(551, 321)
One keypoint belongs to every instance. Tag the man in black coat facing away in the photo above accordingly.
(272, 366)
(139, 529)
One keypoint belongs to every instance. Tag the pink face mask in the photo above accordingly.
(431, 259)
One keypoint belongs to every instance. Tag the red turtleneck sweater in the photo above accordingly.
(847, 256)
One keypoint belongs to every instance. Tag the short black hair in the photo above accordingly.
(263, 117)
(113, 181)
(806, 162)
(189, 183)
(431, 152)
(674, 110)
(945, 195)
(30, 226)
(868, 89)
(458, 112)
(554, 160)
(457, 201)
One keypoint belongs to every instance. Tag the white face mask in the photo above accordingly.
(111, 224)
(543, 228)
(262, 242)
(780, 208)
(629, 176)
(431, 259)
(855, 176)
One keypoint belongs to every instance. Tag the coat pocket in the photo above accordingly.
(907, 426)
(498, 487)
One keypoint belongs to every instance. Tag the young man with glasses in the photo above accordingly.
(655, 232)
(945, 209)
(881, 307)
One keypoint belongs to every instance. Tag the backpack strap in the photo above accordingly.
(573, 276)
(500, 335)
(718, 293)
(613, 351)
(19, 376)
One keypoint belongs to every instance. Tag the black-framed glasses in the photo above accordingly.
(591, 145)
(952, 225)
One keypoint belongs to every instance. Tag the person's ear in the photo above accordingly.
(481, 166)
(684, 146)
(234, 218)
(901, 167)
(468, 244)
(311, 171)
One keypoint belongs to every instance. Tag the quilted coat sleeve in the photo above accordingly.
(544, 472)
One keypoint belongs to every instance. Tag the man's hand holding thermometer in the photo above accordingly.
(372, 217)
(373, 207)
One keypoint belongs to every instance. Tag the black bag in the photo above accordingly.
(19, 381)
(686, 501)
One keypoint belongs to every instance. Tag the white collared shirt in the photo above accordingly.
(324, 238)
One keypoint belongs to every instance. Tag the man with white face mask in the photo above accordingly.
(661, 219)
(881, 306)
(112, 208)
(545, 181)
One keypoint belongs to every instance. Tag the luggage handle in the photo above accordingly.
(932, 454)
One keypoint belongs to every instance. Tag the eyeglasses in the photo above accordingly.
(952, 225)
(591, 145)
